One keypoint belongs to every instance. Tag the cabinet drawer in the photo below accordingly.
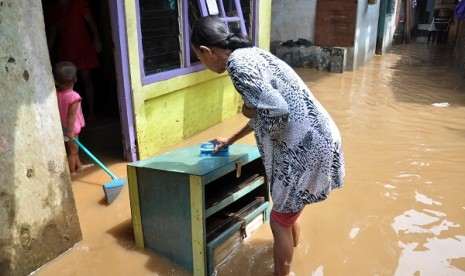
(229, 192)
(225, 238)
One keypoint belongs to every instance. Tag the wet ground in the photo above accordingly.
(401, 212)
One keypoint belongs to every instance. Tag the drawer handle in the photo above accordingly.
(238, 169)
(243, 230)
(248, 181)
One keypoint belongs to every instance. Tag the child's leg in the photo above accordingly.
(72, 153)
(78, 162)
(79, 165)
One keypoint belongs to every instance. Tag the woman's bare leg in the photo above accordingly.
(283, 248)
(72, 153)
(296, 232)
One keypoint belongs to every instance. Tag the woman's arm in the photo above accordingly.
(95, 35)
(255, 84)
(224, 142)
(249, 112)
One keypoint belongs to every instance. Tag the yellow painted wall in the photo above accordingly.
(264, 24)
(168, 111)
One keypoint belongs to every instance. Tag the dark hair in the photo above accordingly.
(211, 31)
(64, 73)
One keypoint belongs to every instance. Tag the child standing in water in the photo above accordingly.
(69, 105)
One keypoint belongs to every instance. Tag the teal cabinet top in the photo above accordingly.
(188, 160)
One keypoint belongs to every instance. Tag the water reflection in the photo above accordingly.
(434, 257)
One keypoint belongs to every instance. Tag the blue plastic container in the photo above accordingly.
(206, 150)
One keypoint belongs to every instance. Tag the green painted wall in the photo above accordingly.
(169, 111)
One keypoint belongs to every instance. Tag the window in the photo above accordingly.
(165, 27)
(161, 34)
(230, 11)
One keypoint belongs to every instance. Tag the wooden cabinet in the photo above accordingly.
(196, 210)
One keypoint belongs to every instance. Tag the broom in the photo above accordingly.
(110, 189)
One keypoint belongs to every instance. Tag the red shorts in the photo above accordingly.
(284, 219)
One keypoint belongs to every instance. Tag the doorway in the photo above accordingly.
(102, 134)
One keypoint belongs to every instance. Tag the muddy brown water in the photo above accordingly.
(401, 212)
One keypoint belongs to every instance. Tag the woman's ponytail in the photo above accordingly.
(211, 31)
(237, 40)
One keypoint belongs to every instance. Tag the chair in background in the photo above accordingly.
(438, 26)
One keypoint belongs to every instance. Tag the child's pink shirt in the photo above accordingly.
(65, 99)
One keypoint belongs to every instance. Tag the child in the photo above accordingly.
(69, 105)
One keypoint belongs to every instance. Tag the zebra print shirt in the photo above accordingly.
(299, 142)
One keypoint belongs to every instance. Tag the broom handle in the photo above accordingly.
(93, 157)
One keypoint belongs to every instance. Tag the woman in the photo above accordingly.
(299, 143)
(69, 22)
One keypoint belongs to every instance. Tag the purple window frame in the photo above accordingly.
(189, 68)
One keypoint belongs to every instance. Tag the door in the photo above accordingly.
(118, 26)
(335, 22)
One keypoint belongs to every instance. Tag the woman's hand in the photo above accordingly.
(220, 143)
(249, 112)
(225, 142)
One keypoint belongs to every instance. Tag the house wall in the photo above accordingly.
(365, 35)
(302, 25)
(389, 29)
(387, 26)
(168, 111)
(38, 216)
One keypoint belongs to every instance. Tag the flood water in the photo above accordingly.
(401, 212)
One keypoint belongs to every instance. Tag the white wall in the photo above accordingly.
(366, 33)
(292, 20)
(389, 30)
